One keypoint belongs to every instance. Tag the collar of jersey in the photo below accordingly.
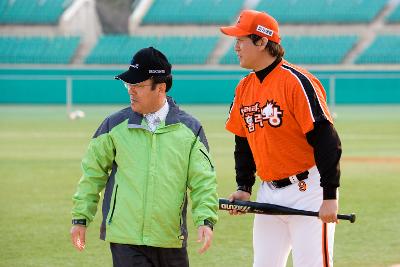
(261, 74)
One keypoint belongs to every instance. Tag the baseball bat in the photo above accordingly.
(271, 209)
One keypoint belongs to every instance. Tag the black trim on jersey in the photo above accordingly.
(244, 163)
(327, 152)
(316, 109)
(230, 108)
(261, 74)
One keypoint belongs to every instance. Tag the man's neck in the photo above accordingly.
(265, 62)
(261, 74)
(160, 105)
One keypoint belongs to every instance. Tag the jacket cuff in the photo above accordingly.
(80, 220)
(330, 192)
(209, 224)
(245, 188)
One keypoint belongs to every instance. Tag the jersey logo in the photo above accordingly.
(257, 115)
(302, 186)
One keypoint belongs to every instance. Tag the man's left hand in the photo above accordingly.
(205, 235)
(328, 211)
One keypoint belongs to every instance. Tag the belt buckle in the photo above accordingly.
(293, 179)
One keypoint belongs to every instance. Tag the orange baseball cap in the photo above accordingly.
(254, 22)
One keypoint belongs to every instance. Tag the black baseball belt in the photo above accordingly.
(290, 180)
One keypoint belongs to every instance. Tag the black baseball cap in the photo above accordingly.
(146, 63)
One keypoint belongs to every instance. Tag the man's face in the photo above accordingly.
(143, 99)
(248, 53)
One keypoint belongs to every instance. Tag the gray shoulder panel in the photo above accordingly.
(113, 120)
(194, 125)
(176, 115)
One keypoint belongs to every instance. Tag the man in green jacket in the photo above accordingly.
(146, 156)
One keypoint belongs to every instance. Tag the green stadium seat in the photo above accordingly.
(383, 50)
(394, 17)
(203, 12)
(37, 50)
(32, 11)
(322, 11)
(118, 49)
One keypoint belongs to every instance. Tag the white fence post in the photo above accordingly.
(69, 94)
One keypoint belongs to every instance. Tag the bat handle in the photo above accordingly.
(350, 217)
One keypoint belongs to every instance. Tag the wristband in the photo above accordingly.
(209, 224)
(79, 222)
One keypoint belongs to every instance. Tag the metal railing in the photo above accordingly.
(332, 80)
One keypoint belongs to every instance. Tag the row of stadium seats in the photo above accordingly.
(384, 50)
(34, 50)
(198, 12)
(319, 50)
(32, 11)
(196, 50)
(394, 16)
(285, 11)
(118, 49)
(323, 11)
(211, 12)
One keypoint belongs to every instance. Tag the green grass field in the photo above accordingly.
(40, 151)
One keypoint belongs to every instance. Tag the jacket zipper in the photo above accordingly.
(205, 154)
(115, 201)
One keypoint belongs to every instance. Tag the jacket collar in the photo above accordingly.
(135, 119)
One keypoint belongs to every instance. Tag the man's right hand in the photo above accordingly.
(238, 195)
(78, 233)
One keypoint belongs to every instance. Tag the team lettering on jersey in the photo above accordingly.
(257, 115)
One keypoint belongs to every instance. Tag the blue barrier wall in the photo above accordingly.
(97, 86)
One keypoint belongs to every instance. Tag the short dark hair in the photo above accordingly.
(274, 49)
(161, 79)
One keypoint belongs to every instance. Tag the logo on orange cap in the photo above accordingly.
(254, 22)
(264, 30)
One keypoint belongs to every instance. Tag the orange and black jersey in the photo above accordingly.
(279, 116)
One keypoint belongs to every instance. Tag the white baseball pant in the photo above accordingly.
(310, 240)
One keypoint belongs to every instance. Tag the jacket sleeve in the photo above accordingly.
(202, 182)
(96, 165)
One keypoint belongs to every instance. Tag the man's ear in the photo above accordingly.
(162, 88)
(262, 43)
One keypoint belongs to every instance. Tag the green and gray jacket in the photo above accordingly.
(146, 176)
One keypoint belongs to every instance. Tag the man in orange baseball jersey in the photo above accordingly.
(284, 132)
